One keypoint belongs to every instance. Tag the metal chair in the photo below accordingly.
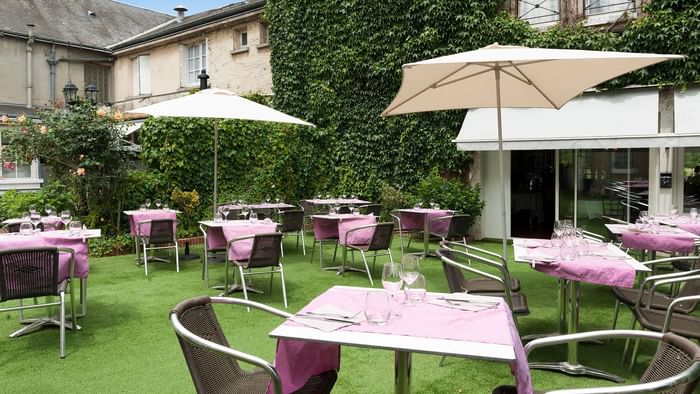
(657, 300)
(455, 263)
(213, 364)
(483, 285)
(321, 240)
(32, 273)
(292, 223)
(675, 367)
(265, 252)
(379, 245)
(396, 215)
(371, 209)
(161, 235)
(458, 227)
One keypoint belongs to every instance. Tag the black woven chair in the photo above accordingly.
(265, 252)
(213, 364)
(32, 273)
(13, 228)
(292, 223)
(402, 230)
(379, 245)
(478, 284)
(458, 227)
(321, 241)
(161, 235)
(675, 367)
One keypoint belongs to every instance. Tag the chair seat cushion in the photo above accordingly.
(488, 286)
(653, 319)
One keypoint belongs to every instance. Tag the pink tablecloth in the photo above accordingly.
(240, 250)
(337, 226)
(683, 222)
(414, 219)
(296, 361)
(149, 214)
(53, 238)
(601, 269)
(669, 239)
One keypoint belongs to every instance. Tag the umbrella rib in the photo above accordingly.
(431, 86)
(534, 85)
(516, 77)
(439, 85)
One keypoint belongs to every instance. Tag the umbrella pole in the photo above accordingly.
(500, 162)
(216, 162)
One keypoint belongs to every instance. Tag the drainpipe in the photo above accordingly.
(30, 43)
(52, 74)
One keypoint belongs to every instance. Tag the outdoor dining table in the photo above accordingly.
(59, 239)
(260, 206)
(487, 334)
(415, 219)
(683, 222)
(669, 239)
(53, 220)
(334, 201)
(218, 233)
(604, 264)
(336, 227)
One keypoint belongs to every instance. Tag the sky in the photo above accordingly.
(166, 6)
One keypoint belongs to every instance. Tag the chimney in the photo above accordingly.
(180, 12)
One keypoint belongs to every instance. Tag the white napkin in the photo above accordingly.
(466, 302)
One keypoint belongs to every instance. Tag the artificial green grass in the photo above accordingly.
(128, 345)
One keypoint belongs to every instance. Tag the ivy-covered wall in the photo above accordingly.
(337, 64)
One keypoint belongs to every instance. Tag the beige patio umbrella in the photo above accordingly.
(509, 76)
(217, 104)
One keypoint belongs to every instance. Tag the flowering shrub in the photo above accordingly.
(82, 148)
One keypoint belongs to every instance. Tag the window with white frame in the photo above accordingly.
(598, 7)
(196, 61)
(12, 169)
(264, 34)
(240, 38)
(141, 73)
(538, 12)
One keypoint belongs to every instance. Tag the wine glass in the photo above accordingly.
(75, 227)
(148, 203)
(35, 218)
(416, 291)
(48, 210)
(245, 210)
(391, 281)
(253, 217)
(26, 217)
(226, 210)
(165, 206)
(693, 214)
(66, 218)
(32, 208)
(267, 199)
(158, 203)
(277, 200)
(410, 267)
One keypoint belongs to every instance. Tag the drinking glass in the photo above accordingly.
(693, 215)
(437, 206)
(581, 244)
(48, 210)
(158, 203)
(142, 207)
(35, 218)
(148, 203)
(432, 204)
(332, 210)
(253, 217)
(556, 240)
(644, 215)
(66, 218)
(377, 308)
(225, 211)
(26, 217)
(75, 227)
(410, 268)
(415, 291)
(568, 250)
(418, 205)
(32, 208)
(391, 281)
(25, 228)
(639, 224)
(673, 212)
(218, 217)
(165, 206)
(356, 211)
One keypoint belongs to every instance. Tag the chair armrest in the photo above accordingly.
(672, 307)
(670, 260)
(662, 279)
(461, 266)
(441, 218)
(691, 275)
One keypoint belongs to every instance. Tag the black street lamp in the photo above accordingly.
(70, 93)
(91, 93)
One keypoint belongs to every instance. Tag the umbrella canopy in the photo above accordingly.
(217, 104)
(509, 76)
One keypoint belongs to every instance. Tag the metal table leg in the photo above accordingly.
(402, 372)
(426, 235)
(571, 366)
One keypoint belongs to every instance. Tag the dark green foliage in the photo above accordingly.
(449, 193)
(57, 195)
(111, 246)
